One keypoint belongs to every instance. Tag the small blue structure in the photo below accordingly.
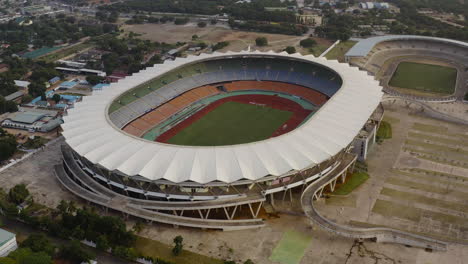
(99, 86)
(54, 80)
(67, 85)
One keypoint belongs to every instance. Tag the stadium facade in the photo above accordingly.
(219, 187)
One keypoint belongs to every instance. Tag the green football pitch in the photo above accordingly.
(232, 123)
(425, 77)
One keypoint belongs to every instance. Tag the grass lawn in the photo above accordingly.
(338, 52)
(156, 249)
(65, 52)
(384, 131)
(425, 77)
(232, 123)
(318, 49)
(351, 183)
(290, 248)
(390, 209)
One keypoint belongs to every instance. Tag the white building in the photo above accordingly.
(7, 242)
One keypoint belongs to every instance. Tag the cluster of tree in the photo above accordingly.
(276, 28)
(7, 84)
(233, 262)
(411, 22)
(308, 43)
(8, 145)
(290, 49)
(181, 20)
(246, 11)
(36, 142)
(110, 17)
(72, 224)
(337, 27)
(261, 41)
(7, 106)
(140, 19)
(256, 11)
(38, 249)
(201, 24)
(47, 31)
(127, 54)
(178, 246)
(206, 7)
(220, 45)
(453, 6)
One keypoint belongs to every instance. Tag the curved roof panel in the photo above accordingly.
(89, 131)
(363, 47)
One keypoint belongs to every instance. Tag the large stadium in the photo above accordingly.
(205, 141)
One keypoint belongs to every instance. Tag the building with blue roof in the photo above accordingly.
(67, 85)
(7, 242)
(99, 86)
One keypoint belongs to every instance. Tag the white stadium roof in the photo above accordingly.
(89, 131)
(363, 47)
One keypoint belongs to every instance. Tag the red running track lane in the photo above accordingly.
(276, 102)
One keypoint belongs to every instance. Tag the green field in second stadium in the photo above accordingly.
(425, 77)
(232, 123)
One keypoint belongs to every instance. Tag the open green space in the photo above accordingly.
(429, 128)
(290, 248)
(438, 138)
(384, 131)
(338, 52)
(433, 177)
(65, 52)
(351, 183)
(391, 209)
(435, 147)
(156, 249)
(427, 187)
(422, 199)
(318, 49)
(232, 123)
(425, 77)
(346, 201)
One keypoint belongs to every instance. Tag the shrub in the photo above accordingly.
(290, 49)
(201, 24)
(308, 43)
(261, 41)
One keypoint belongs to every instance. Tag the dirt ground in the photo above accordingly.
(239, 40)
(256, 244)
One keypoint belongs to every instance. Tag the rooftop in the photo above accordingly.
(26, 117)
(363, 47)
(5, 236)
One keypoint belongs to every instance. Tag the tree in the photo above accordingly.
(94, 79)
(27, 256)
(290, 49)
(194, 37)
(7, 106)
(75, 253)
(177, 245)
(201, 24)
(102, 243)
(308, 43)
(261, 41)
(18, 193)
(56, 98)
(138, 227)
(249, 261)
(7, 145)
(220, 45)
(38, 242)
(36, 89)
(213, 21)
